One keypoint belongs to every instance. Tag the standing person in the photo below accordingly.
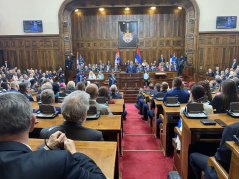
(112, 78)
(131, 68)
(68, 63)
(234, 64)
(174, 59)
(180, 65)
(80, 60)
(161, 59)
(6, 64)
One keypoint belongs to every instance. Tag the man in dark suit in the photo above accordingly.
(180, 65)
(75, 116)
(16, 153)
(47, 97)
(107, 69)
(183, 96)
(234, 64)
(6, 64)
(24, 88)
(116, 69)
(131, 68)
(114, 93)
(68, 63)
(161, 59)
(174, 67)
(127, 63)
(14, 87)
(223, 155)
(80, 76)
(112, 78)
(210, 73)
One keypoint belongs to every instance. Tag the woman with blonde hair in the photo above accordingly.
(100, 75)
(92, 76)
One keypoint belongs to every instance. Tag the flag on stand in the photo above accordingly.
(171, 58)
(138, 57)
(117, 56)
(77, 60)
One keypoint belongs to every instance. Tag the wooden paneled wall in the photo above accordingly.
(95, 33)
(38, 52)
(217, 49)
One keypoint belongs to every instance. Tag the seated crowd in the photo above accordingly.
(220, 103)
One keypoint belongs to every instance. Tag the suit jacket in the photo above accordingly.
(28, 97)
(234, 65)
(130, 69)
(68, 63)
(116, 96)
(104, 110)
(111, 81)
(183, 96)
(80, 77)
(6, 65)
(74, 131)
(161, 60)
(40, 164)
(56, 108)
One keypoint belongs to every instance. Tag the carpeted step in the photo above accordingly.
(145, 165)
(137, 129)
(140, 142)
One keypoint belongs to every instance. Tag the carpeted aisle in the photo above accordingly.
(141, 155)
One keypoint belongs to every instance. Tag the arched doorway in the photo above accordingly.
(191, 21)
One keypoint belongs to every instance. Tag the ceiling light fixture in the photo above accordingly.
(127, 9)
(153, 8)
(180, 7)
(101, 9)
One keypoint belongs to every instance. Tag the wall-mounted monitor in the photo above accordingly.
(226, 22)
(32, 26)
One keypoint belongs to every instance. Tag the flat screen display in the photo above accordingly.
(226, 22)
(32, 26)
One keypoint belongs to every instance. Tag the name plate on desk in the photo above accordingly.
(160, 73)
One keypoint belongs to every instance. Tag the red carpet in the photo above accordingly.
(140, 142)
(141, 155)
(137, 129)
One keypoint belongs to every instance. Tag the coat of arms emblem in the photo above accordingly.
(127, 36)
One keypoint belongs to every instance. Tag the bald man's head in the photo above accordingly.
(46, 86)
(14, 85)
(92, 90)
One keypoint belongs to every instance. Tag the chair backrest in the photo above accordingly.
(62, 95)
(205, 99)
(47, 109)
(234, 106)
(92, 110)
(172, 100)
(160, 95)
(195, 107)
(101, 100)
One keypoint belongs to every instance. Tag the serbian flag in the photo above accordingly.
(117, 56)
(171, 58)
(77, 59)
(138, 57)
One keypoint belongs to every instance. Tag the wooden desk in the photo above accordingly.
(35, 105)
(234, 164)
(192, 130)
(109, 125)
(122, 93)
(171, 118)
(103, 153)
(118, 101)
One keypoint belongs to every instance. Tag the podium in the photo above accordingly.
(130, 80)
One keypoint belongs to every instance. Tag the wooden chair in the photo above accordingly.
(221, 173)
(176, 153)
(159, 130)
